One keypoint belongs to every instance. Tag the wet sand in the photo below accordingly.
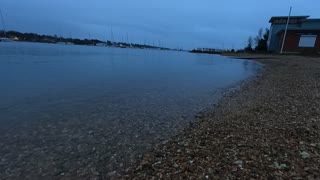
(269, 129)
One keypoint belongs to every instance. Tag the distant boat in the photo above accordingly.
(65, 43)
(121, 46)
(4, 39)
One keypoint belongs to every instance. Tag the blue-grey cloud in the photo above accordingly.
(177, 23)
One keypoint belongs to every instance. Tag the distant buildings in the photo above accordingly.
(303, 34)
(209, 50)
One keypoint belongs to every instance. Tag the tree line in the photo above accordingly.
(258, 43)
(33, 37)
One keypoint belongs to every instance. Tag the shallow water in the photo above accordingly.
(37, 73)
(103, 104)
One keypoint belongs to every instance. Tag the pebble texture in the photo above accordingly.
(270, 129)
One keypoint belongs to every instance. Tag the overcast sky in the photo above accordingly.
(175, 23)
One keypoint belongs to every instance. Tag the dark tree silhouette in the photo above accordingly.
(261, 41)
(249, 46)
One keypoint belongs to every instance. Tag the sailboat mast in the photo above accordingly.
(112, 36)
(127, 39)
(4, 29)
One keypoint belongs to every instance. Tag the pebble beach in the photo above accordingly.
(268, 129)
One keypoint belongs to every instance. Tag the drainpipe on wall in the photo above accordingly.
(285, 32)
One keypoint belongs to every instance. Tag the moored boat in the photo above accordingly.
(4, 39)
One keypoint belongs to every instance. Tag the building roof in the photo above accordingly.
(283, 17)
(317, 31)
(313, 19)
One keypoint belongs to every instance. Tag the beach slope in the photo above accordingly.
(270, 128)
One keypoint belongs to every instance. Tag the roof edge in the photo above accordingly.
(312, 19)
(301, 30)
(281, 17)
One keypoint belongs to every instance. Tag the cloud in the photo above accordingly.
(185, 23)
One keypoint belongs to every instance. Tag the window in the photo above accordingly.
(307, 40)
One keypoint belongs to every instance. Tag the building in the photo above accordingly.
(303, 34)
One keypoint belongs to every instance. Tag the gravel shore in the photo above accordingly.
(269, 129)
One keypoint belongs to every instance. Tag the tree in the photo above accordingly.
(258, 37)
(2, 33)
(266, 34)
(261, 40)
(249, 46)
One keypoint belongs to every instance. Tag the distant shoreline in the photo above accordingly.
(37, 38)
(204, 52)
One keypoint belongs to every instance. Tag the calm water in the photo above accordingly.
(37, 73)
(119, 101)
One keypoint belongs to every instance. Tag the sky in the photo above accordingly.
(186, 24)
